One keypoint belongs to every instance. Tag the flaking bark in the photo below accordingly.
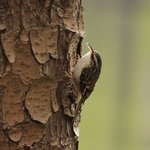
(39, 42)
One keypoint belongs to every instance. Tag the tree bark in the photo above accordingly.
(39, 44)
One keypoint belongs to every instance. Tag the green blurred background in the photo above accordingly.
(117, 114)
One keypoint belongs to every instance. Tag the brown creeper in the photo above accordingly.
(86, 73)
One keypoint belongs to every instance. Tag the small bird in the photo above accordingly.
(86, 73)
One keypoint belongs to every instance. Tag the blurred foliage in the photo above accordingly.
(116, 116)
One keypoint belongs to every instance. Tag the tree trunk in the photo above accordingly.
(39, 45)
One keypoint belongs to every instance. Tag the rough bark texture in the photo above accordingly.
(40, 40)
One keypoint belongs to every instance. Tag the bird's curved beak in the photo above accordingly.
(90, 47)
